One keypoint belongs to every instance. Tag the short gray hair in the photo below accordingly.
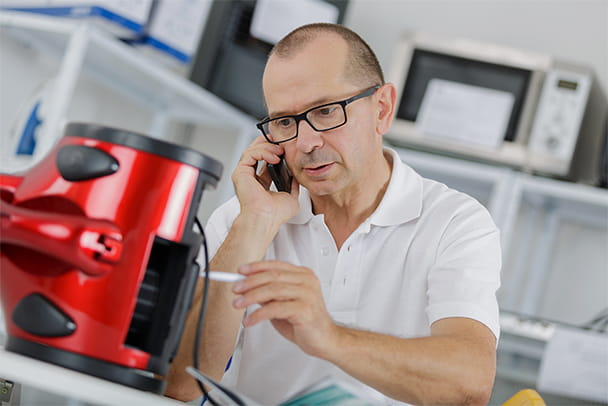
(362, 66)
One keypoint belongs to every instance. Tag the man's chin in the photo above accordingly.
(320, 188)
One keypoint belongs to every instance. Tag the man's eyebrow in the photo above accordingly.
(315, 103)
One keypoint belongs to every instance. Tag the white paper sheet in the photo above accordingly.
(575, 364)
(273, 19)
(471, 115)
(179, 23)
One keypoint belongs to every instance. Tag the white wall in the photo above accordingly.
(574, 30)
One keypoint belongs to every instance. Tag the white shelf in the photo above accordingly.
(475, 171)
(72, 384)
(575, 192)
(489, 184)
(83, 49)
(576, 201)
(124, 68)
(506, 190)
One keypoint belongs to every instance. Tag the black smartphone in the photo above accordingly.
(280, 176)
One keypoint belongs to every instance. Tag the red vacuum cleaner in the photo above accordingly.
(98, 253)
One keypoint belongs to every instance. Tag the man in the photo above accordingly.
(367, 271)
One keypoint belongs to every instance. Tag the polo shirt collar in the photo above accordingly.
(305, 214)
(401, 203)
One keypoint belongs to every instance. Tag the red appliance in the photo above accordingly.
(98, 253)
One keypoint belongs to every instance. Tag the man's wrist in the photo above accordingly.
(334, 347)
(263, 228)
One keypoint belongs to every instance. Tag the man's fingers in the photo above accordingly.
(270, 265)
(270, 281)
(260, 150)
(269, 277)
(270, 292)
(272, 310)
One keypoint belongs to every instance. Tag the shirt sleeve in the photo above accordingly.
(466, 273)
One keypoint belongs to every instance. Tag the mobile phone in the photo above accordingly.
(280, 176)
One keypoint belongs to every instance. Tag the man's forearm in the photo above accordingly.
(441, 369)
(247, 241)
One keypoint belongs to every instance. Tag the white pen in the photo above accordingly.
(223, 276)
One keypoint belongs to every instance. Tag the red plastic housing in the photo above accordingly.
(85, 245)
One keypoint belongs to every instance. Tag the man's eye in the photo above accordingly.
(284, 122)
(326, 111)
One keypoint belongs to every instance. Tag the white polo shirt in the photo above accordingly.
(426, 253)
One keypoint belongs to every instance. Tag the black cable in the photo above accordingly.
(603, 326)
(199, 328)
(201, 316)
(599, 321)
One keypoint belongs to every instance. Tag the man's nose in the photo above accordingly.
(308, 138)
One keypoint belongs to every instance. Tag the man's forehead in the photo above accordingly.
(312, 75)
(302, 104)
(325, 52)
(294, 96)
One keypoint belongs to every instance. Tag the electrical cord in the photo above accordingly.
(199, 328)
(201, 316)
(599, 322)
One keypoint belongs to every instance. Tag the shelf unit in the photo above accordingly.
(553, 202)
(81, 48)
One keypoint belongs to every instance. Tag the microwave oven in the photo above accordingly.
(498, 104)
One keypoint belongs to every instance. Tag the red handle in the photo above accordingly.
(9, 183)
(89, 245)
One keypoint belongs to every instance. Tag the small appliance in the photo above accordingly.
(98, 253)
(498, 104)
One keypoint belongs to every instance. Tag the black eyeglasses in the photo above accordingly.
(321, 118)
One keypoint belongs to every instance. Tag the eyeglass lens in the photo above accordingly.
(321, 119)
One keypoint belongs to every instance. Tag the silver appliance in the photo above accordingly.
(542, 115)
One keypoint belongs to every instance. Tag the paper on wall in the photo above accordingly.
(575, 364)
(273, 19)
(471, 115)
(179, 23)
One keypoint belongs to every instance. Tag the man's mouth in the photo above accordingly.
(318, 169)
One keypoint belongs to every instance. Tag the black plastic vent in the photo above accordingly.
(157, 297)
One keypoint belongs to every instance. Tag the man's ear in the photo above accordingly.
(387, 98)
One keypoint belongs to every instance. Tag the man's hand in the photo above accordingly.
(290, 297)
(252, 189)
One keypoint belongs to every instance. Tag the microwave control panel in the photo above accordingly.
(559, 114)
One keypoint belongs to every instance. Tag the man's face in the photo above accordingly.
(327, 162)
